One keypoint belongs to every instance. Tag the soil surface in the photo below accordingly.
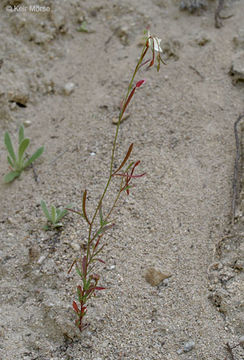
(66, 86)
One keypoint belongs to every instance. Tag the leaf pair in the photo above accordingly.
(54, 215)
(19, 161)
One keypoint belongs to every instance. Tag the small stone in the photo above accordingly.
(10, 220)
(112, 267)
(237, 67)
(41, 259)
(75, 246)
(239, 39)
(180, 351)
(27, 123)
(92, 153)
(69, 88)
(189, 346)
(155, 277)
(13, 105)
(202, 39)
(241, 341)
(123, 34)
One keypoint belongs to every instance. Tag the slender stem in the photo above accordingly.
(144, 51)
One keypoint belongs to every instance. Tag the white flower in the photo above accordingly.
(154, 42)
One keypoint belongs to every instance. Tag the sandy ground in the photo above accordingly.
(178, 217)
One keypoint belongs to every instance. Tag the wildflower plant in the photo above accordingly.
(18, 162)
(99, 223)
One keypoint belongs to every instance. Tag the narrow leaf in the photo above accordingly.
(61, 214)
(79, 293)
(96, 245)
(78, 271)
(100, 288)
(23, 146)
(10, 162)
(73, 263)
(35, 156)
(45, 210)
(100, 260)
(53, 214)
(75, 211)
(84, 265)
(75, 307)
(9, 146)
(101, 215)
(11, 176)
(84, 207)
(21, 134)
(125, 158)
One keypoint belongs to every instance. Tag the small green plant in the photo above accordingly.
(19, 161)
(99, 223)
(54, 215)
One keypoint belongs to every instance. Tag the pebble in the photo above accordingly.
(239, 39)
(237, 67)
(189, 346)
(27, 123)
(241, 341)
(69, 88)
(155, 277)
(41, 259)
(112, 267)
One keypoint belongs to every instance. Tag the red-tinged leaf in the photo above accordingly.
(144, 63)
(127, 102)
(100, 260)
(84, 265)
(125, 158)
(139, 83)
(135, 165)
(84, 206)
(136, 176)
(75, 211)
(75, 307)
(83, 310)
(73, 263)
(100, 288)
(96, 245)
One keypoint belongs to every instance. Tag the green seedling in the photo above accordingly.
(54, 215)
(19, 161)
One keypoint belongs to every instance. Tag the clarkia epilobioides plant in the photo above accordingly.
(19, 161)
(85, 265)
(54, 215)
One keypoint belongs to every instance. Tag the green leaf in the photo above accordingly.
(9, 146)
(45, 210)
(61, 214)
(101, 215)
(10, 162)
(83, 27)
(21, 134)
(78, 271)
(35, 156)
(23, 146)
(11, 176)
(54, 214)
